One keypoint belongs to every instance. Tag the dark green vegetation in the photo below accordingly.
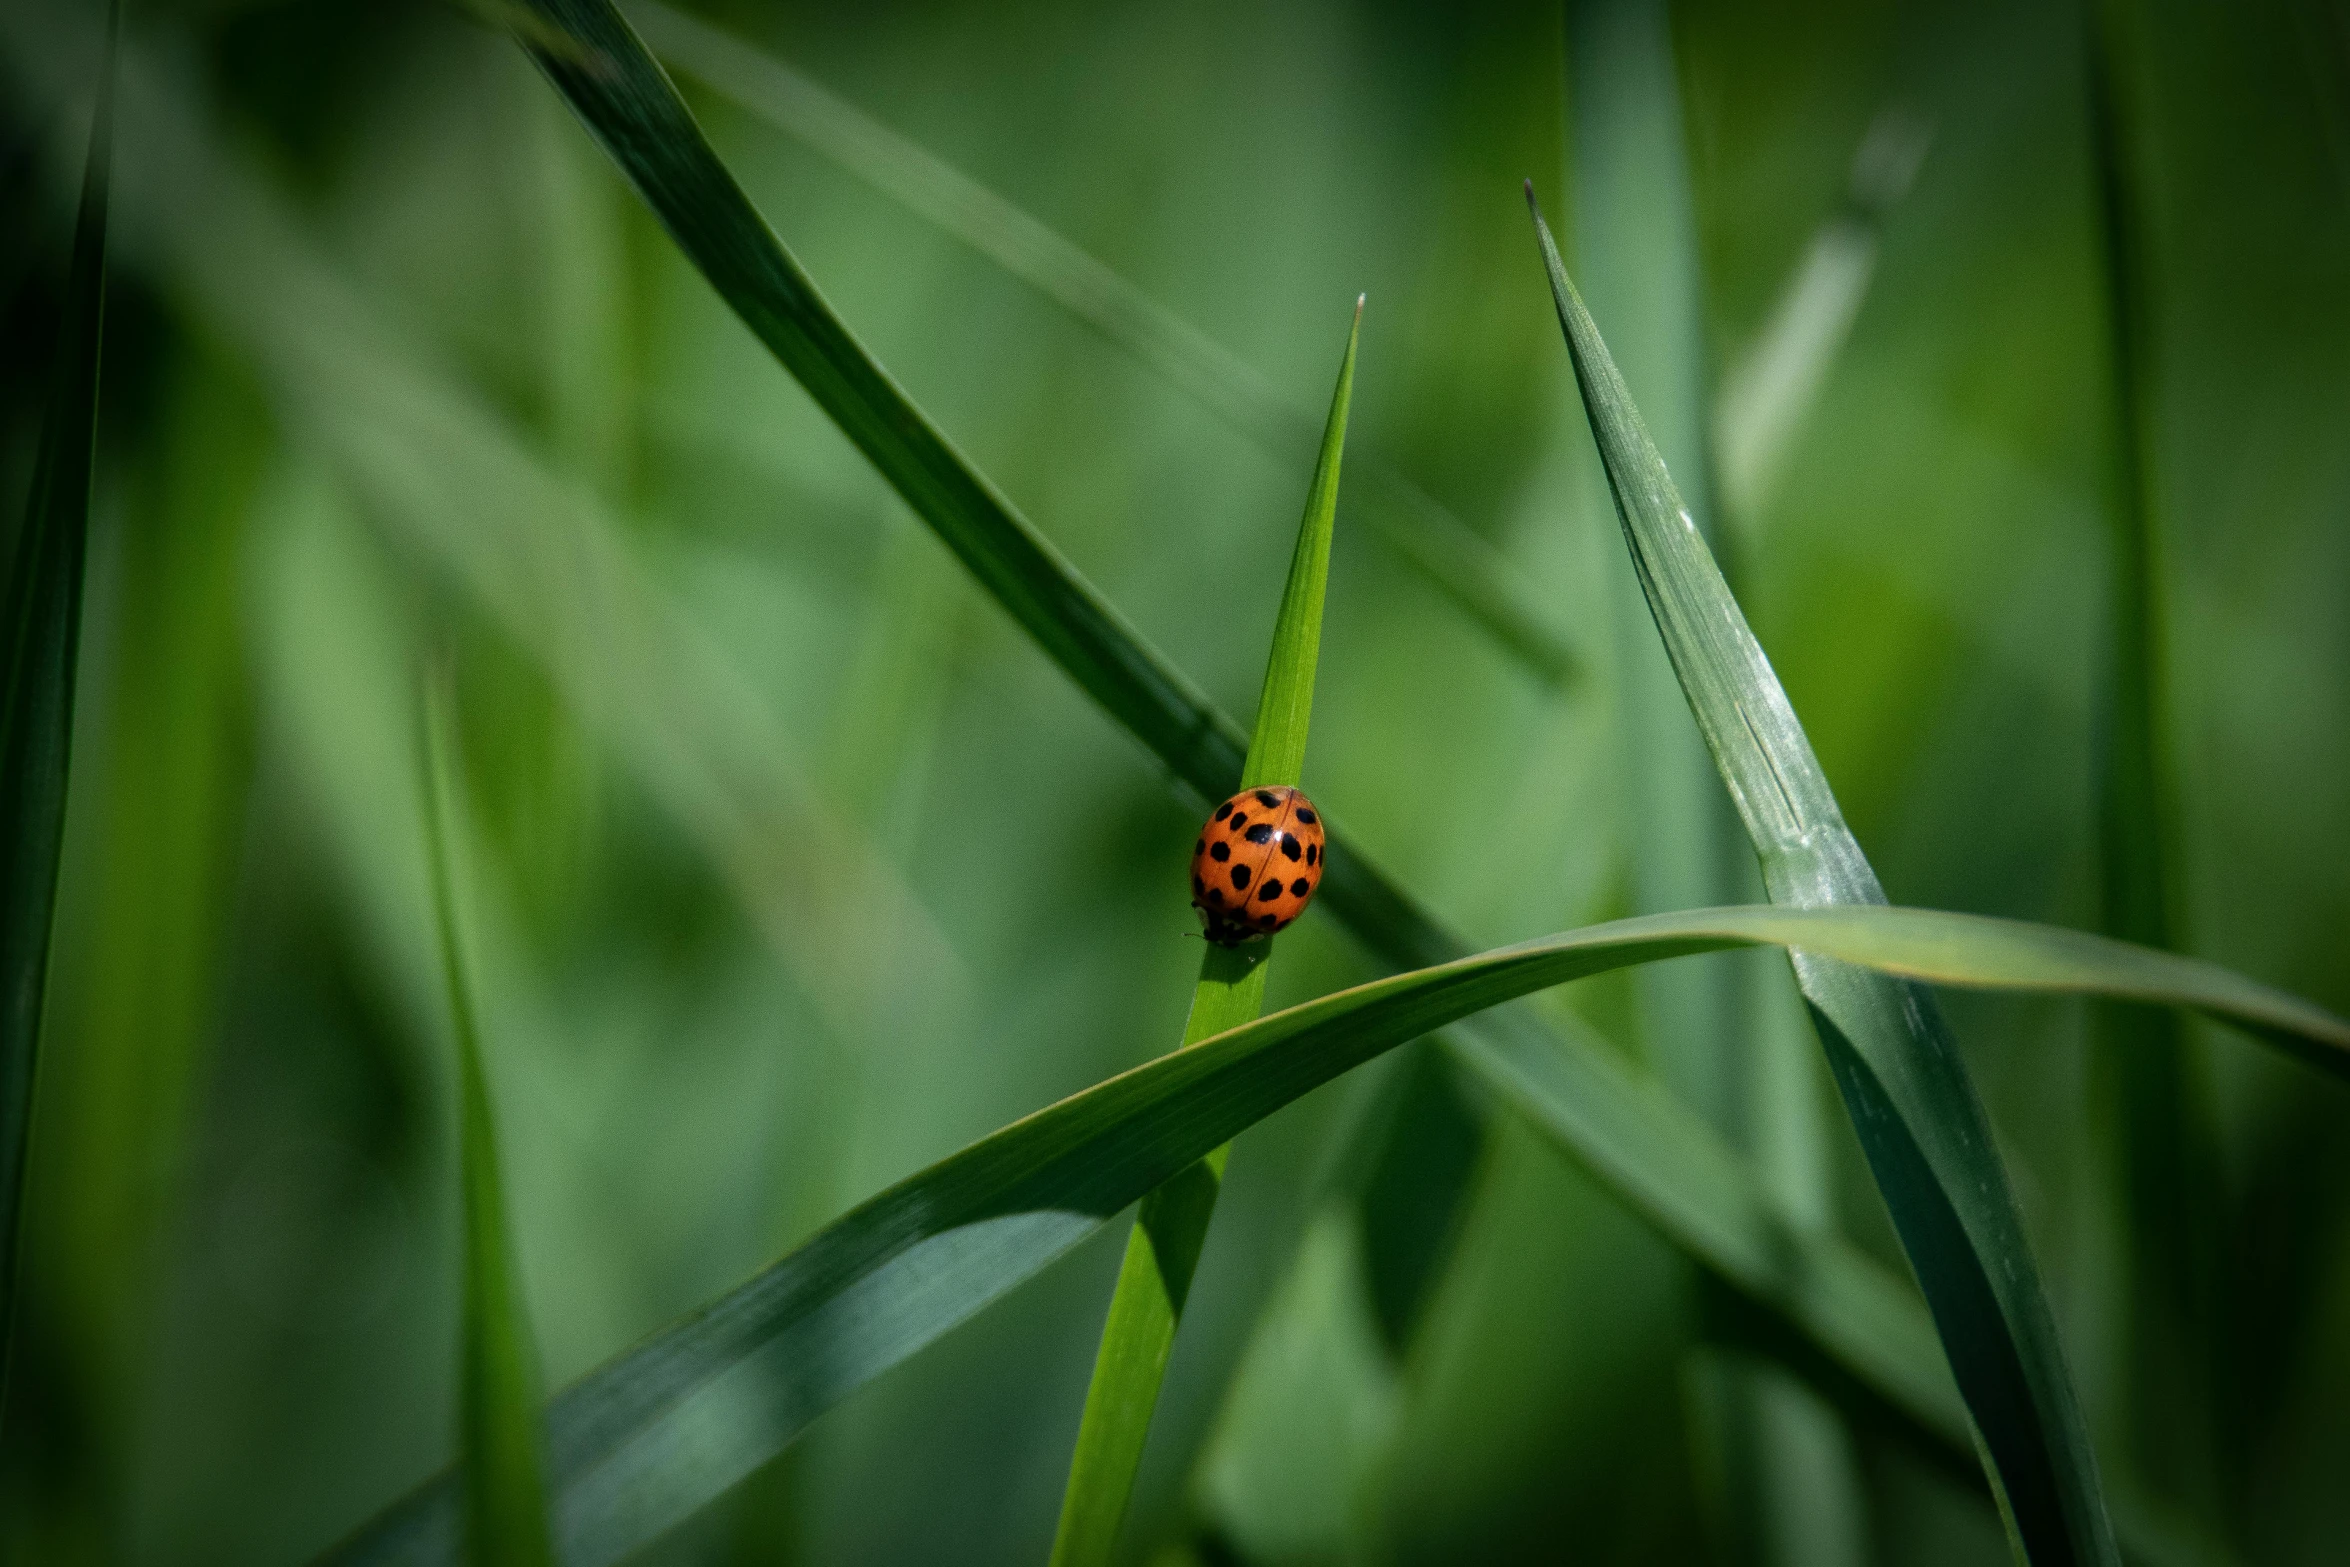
(793, 864)
(40, 642)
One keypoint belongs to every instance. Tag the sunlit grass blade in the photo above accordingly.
(1907, 1091)
(1418, 527)
(2166, 1143)
(43, 631)
(499, 1392)
(655, 1434)
(1164, 1246)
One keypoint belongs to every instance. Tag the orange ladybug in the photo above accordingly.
(1257, 863)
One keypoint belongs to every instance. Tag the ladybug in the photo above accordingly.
(1257, 863)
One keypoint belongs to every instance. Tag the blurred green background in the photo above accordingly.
(801, 867)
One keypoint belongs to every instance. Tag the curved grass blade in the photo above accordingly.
(43, 631)
(653, 1435)
(1455, 559)
(498, 1396)
(1907, 1090)
(1164, 1246)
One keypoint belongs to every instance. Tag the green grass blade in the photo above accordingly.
(1285, 707)
(1916, 1111)
(43, 628)
(2165, 1142)
(630, 106)
(1455, 559)
(649, 1437)
(450, 479)
(1769, 392)
(1775, 1466)
(1163, 1249)
(499, 1393)
(1637, 238)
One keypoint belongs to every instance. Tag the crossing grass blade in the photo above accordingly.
(1919, 1120)
(656, 1433)
(1164, 1246)
(1450, 554)
(499, 1391)
(43, 631)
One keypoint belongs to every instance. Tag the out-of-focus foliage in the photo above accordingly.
(40, 650)
(801, 868)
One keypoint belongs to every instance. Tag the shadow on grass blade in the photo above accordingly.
(43, 628)
(1904, 1085)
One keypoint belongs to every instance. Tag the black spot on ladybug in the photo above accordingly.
(1305, 816)
(1301, 886)
(1267, 798)
(1268, 921)
(1289, 845)
(1224, 810)
(1221, 852)
(1216, 896)
(1270, 891)
(1260, 832)
(1239, 875)
(1197, 886)
(1313, 853)
(1239, 820)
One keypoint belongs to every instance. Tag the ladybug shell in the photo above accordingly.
(1257, 863)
